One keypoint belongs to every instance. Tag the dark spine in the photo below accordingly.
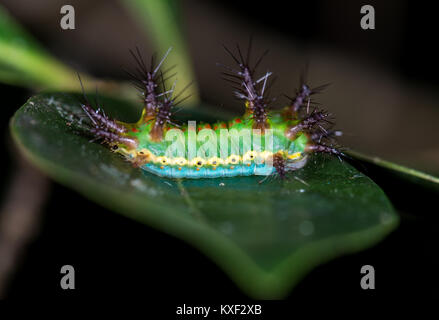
(249, 90)
(98, 116)
(105, 129)
(145, 79)
(162, 118)
(279, 164)
(316, 118)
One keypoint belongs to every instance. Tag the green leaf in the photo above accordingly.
(412, 175)
(266, 236)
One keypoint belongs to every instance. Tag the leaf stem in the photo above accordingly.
(393, 166)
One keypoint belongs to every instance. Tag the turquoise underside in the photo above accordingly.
(208, 172)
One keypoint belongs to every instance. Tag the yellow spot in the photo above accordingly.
(294, 156)
(179, 161)
(249, 156)
(162, 160)
(198, 162)
(215, 161)
(233, 159)
(247, 104)
(145, 153)
(162, 167)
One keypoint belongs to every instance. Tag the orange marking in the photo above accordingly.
(223, 125)
(134, 130)
(207, 126)
(232, 167)
(238, 120)
(248, 164)
(215, 127)
(214, 168)
(162, 167)
(198, 169)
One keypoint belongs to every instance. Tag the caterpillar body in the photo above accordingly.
(261, 142)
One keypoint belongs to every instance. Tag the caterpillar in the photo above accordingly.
(263, 141)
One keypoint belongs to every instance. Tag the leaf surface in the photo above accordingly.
(266, 236)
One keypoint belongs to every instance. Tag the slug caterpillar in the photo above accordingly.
(260, 142)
